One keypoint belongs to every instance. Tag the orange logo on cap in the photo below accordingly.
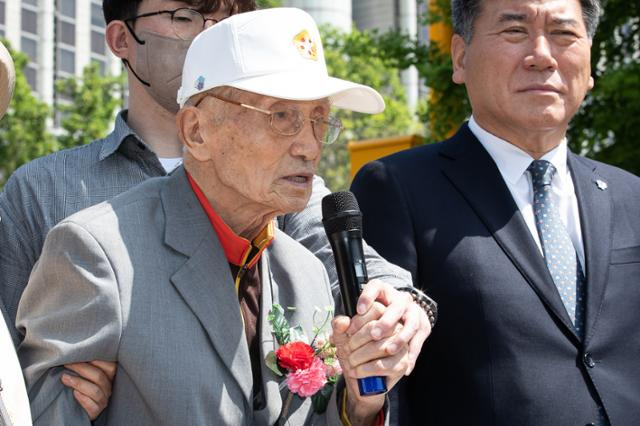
(305, 45)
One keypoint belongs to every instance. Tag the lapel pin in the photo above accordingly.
(602, 185)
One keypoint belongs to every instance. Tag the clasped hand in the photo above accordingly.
(383, 339)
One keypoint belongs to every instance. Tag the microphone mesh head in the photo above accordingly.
(340, 212)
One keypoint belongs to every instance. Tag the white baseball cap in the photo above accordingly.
(273, 52)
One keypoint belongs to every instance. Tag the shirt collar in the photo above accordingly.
(239, 251)
(513, 161)
(121, 131)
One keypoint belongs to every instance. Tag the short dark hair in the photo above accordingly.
(465, 12)
(123, 9)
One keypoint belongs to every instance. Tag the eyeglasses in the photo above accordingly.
(186, 23)
(290, 121)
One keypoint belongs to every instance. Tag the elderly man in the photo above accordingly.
(174, 279)
(151, 37)
(532, 252)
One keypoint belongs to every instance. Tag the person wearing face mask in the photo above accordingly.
(159, 58)
(151, 37)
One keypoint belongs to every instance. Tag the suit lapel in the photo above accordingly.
(276, 392)
(472, 171)
(205, 281)
(594, 204)
(270, 382)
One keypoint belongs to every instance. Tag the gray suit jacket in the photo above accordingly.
(505, 351)
(43, 192)
(143, 280)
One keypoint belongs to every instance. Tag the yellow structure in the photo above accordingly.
(440, 32)
(362, 152)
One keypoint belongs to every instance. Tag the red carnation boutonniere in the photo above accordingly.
(310, 369)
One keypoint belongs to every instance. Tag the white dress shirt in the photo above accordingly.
(13, 394)
(513, 162)
(170, 163)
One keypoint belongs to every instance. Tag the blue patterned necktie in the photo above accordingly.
(559, 252)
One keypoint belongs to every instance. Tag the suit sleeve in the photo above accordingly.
(306, 228)
(386, 214)
(69, 312)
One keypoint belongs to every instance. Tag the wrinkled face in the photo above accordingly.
(271, 172)
(527, 66)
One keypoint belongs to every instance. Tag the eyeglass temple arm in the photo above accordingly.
(251, 107)
(264, 111)
(144, 15)
(133, 33)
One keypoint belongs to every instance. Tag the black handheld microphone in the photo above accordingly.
(342, 222)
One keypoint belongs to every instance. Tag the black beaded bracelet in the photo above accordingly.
(424, 301)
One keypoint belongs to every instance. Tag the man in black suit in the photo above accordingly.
(532, 252)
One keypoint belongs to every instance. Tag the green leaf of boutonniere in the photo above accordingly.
(296, 334)
(320, 399)
(272, 362)
(279, 324)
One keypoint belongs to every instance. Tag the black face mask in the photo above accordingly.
(159, 67)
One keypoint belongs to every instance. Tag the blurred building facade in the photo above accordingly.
(60, 37)
(334, 12)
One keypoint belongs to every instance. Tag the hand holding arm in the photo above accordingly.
(400, 309)
(361, 355)
(92, 385)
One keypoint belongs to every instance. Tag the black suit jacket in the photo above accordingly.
(504, 350)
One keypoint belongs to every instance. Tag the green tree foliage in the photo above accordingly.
(606, 127)
(448, 105)
(23, 130)
(92, 102)
(265, 4)
(355, 56)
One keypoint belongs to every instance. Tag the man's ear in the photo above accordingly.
(458, 51)
(118, 40)
(189, 122)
